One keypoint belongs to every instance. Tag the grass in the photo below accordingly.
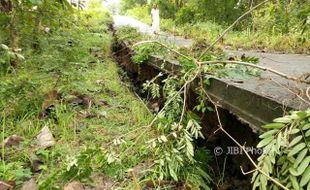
(248, 40)
(84, 67)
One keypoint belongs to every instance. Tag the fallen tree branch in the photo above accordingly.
(199, 63)
(258, 67)
(198, 71)
(231, 26)
(221, 128)
(164, 45)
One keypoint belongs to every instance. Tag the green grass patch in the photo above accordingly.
(73, 86)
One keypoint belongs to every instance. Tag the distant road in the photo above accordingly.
(120, 21)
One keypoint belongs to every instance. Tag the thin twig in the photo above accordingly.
(184, 106)
(297, 95)
(249, 157)
(241, 146)
(258, 67)
(216, 107)
(151, 123)
(247, 173)
(231, 26)
(147, 108)
(199, 63)
(6, 185)
(308, 92)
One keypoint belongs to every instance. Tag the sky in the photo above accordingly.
(112, 2)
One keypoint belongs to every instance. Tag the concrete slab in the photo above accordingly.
(257, 100)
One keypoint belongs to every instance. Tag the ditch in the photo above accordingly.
(226, 157)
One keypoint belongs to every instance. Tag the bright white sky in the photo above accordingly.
(109, 2)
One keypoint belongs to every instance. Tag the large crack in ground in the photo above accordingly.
(226, 157)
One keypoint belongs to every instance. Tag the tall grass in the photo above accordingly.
(293, 42)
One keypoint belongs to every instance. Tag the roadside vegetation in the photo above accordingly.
(63, 103)
(71, 119)
(277, 26)
(284, 163)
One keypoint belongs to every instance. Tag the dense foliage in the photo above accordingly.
(57, 72)
(285, 144)
(65, 81)
(276, 26)
(286, 152)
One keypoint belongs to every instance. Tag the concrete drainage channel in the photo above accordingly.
(227, 156)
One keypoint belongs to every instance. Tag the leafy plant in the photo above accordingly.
(14, 171)
(8, 55)
(286, 152)
(174, 150)
(143, 52)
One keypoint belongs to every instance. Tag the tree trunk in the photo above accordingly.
(13, 27)
(13, 32)
(36, 31)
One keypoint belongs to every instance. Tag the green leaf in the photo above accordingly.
(172, 173)
(256, 183)
(293, 131)
(281, 160)
(301, 168)
(295, 141)
(274, 126)
(275, 187)
(207, 82)
(295, 184)
(303, 165)
(264, 142)
(268, 163)
(307, 134)
(300, 157)
(4, 47)
(294, 172)
(285, 119)
(264, 181)
(305, 177)
(296, 149)
(306, 127)
(302, 114)
(268, 133)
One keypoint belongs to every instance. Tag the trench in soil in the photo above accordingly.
(224, 167)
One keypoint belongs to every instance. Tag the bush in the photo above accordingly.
(142, 13)
(185, 15)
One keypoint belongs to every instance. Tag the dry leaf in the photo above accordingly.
(30, 185)
(13, 140)
(50, 100)
(6, 186)
(74, 186)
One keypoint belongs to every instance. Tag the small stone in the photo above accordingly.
(36, 165)
(74, 186)
(12, 141)
(30, 185)
(45, 138)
